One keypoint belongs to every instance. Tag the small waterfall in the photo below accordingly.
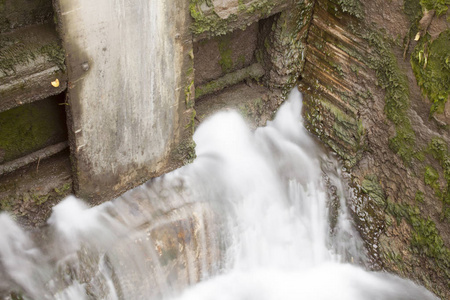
(258, 215)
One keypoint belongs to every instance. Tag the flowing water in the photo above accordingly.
(258, 215)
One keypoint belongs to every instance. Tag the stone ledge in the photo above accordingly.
(254, 71)
(224, 16)
(31, 59)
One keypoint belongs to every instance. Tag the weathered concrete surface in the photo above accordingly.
(30, 59)
(19, 13)
(217, 56)
(30, 192)
(31, 127)
(180, 239)
(255, 71)
(129, 95)
(250, 99)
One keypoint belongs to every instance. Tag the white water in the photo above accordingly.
(261, 202)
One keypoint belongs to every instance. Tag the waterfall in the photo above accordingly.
(258, 215)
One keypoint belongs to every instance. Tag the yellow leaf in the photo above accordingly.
(55, 83)
(417, 36)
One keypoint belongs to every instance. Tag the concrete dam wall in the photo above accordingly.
(109, 93)
(98, 97)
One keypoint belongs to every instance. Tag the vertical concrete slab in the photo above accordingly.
(129, 93)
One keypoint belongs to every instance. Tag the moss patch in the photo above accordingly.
(185, 152)
(431, 65)
(441, 6)
(14, 52)
(425, 239)
(352, 7)
(371, 187)
(30, 127)
(395, 84)
(212, 23)
(438, 149)
(225, 62)
(215, 25)
(412, 9)
(431, 178)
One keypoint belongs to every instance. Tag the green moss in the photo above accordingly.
(30, 127)
(225, 62)
(351, 7)
(395, 84)
(425, 239)
(371, 186)
(420, 196)
(241, 5)
(64, 190)
(212, 23)
(14, 52)
(438, 148)
(40, 199)
(431, 178)
(413, 10)
(54, 53)
(5, 204)
(191, 124)
(218, 26)
(431, 65)
(188, 95)
(185, 151)
(441, 6)
(254, 71)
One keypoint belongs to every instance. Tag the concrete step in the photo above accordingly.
(31, 58)
(249, 99)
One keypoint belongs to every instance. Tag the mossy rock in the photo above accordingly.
(431, 65)
(440, 6)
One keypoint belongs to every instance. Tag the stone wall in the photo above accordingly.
(363, 99)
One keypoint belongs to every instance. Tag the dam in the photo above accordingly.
(97, 99)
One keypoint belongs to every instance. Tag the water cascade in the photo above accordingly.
(258, 215)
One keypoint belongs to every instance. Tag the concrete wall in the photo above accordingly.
(128, 94)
